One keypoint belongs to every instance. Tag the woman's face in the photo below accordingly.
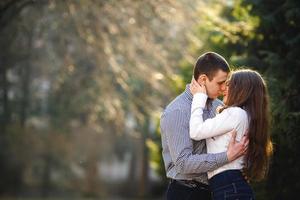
(225, 92)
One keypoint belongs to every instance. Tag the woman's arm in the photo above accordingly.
(221, 124)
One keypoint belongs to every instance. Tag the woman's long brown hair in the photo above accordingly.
(248, 90)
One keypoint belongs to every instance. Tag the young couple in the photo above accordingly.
(208, 154)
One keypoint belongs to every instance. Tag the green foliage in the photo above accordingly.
(279, 52)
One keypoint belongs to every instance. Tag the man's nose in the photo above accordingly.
(222, 88)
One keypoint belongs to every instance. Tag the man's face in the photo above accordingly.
(216, 86)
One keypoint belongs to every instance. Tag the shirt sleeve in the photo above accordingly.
(175, 126)
(220, 124)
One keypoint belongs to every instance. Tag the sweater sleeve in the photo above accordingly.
(220, 124)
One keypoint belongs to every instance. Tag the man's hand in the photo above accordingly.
(237, 149)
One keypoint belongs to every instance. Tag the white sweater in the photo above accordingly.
(216, 130)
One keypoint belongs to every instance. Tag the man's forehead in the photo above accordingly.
(221, 76)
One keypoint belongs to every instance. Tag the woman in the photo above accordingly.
(246, 108)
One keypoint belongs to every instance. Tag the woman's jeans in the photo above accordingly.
(230, 185)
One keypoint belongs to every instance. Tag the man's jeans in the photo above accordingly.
(178, 190)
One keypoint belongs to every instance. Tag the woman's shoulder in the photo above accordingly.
(234, 110)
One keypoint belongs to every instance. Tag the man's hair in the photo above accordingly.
(209, 64)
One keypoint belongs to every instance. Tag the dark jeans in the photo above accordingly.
(230, 185)
(177, 190)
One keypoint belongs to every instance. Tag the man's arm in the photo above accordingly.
(175, 126)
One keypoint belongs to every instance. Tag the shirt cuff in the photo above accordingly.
(221, 159)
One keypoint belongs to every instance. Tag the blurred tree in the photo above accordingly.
(12, 169)
(75, 69)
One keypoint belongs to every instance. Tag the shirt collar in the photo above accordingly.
(188, 93)
(189, 96)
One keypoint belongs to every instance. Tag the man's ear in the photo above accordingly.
(202, 79)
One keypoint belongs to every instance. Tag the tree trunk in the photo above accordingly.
(46, 178)
(132, 169)
(5, 115)
(92, 186)
(144, 178)
(25, 73)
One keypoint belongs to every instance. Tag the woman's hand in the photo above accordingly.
(195, 87)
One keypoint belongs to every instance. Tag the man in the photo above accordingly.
(186, 161)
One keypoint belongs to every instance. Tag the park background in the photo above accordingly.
(83, 84)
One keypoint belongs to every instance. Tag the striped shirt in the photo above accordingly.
(184, 158)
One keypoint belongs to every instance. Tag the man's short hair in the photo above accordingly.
(209, 64)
